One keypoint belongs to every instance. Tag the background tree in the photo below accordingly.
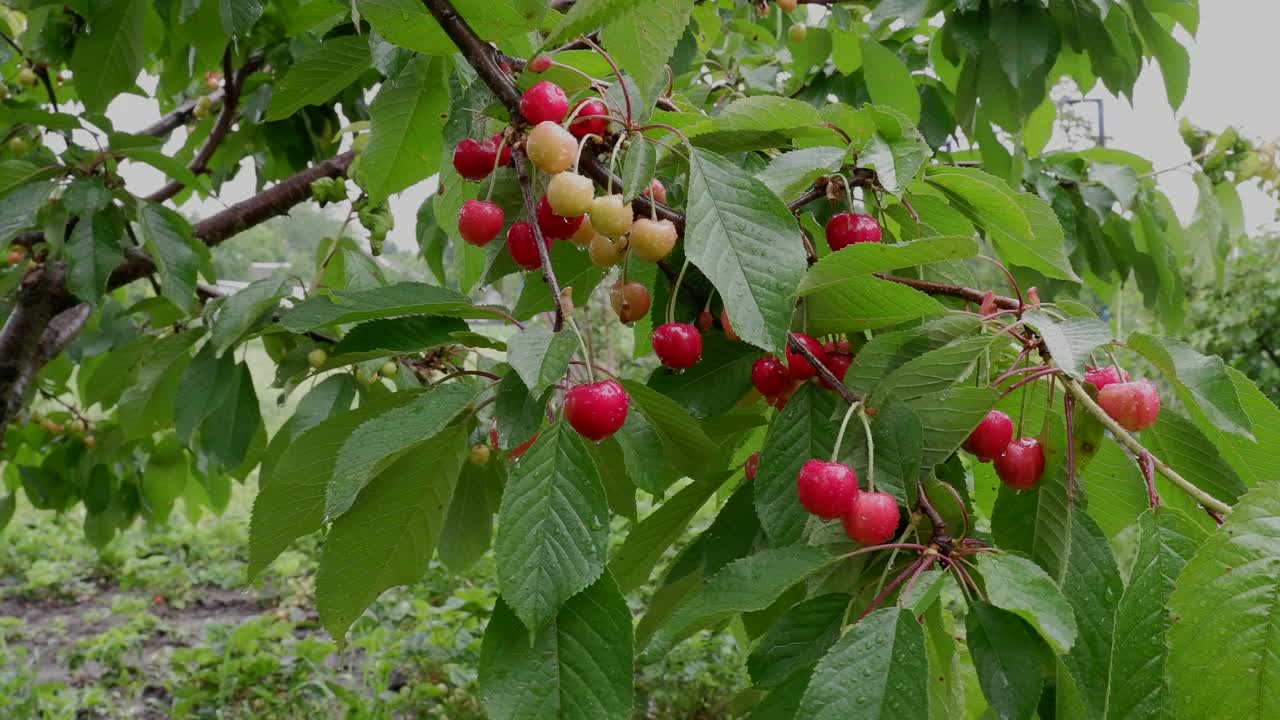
(814, 235)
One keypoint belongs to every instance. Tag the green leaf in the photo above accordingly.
(1026, 39)
(752, 583)
(642, 39)
(863, 259)
(804, 430)
(641, 445)
(758, 122)
(948, 417)
(648, 541)
(1253, 461)
(888, 80)
(394, 336)
(168, 165)
(877, 670)
(1121, 180)
(83, 197)
(147, 405)
(553, 527)
(1201, 380)
(322, 72)
(687, 447)
(517, 414)
(578, 666)
(1223, 647)
(899, 437)
(891, 350)
(8, 504)
(716, 384)
(865, 303)
(93, 251)
(1138, 689)
(745, 240)
(1006, 653)
(18, 208)
(1070, 341)
(238, 16)
(1023, 227)
(331, 397)
(245, 311)
(389, 535)
(228, 432)
(638, 164)
(1175, 60)
(574, 269)
(383, 439)
(937, 370)
(405, 141)
(291, 499)
(1091, 583)
(468, 525)
(790, 174)
(1181, 445)
(167, 237)
(404, 298)
(1018, 585)
(798, 640)
(407, 23)
(107, 59)
(540, 357)
(588, 15)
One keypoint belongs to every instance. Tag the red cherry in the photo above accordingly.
(544, 101)
(523, 248)
(991, 437)
(479, 221)
(845, 229)
(1102, 377)
(826, 489)
(1135, 405)
(539, 64)
(473, 159)
(1021, 464)
(596, 410)
(656, 191)
(677, 345)
(516, 452)
(783, 397)
(769, 376)
(505, 159)
(589, 125)
(797, 366)
(753, 464)
(873, 519)
(553, 226)
(706, 321)
(838, 364)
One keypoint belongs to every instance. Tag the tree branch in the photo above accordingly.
(823, 371)
(530, 208)
(480, 54)
(22, 346)
(234, 83)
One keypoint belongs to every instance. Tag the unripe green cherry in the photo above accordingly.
(652, 240)
(203, 105)
(479, 454)
(317, 358)
(27, 77)
(606, 253)
(570, 194)
(797, 33)
(365, 378)
(611, 216)
(550, 147)
(389, 369)
(18, 145)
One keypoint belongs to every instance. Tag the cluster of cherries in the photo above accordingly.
(778, 381)
(1020, 463)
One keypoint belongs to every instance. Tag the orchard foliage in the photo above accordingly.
(774, 199)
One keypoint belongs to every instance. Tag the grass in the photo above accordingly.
(161, 623)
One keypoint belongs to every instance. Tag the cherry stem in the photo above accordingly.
(844, 424)
(1028, 380)
(906, 589)
(1018, 371)
(958, 564)
(582, 346)
(915, 565)
(871, 450)
(1148, 469)
(1137, 448)
(926, 507)
(497, 162)
(613, 161)
(895, 546)
(706, 307)
(848, 192)
(675, 293)
(502, 314)
(597, 368)
(893, 556)
(663, 126)
(594, 82)
(626, 94)
(1017, 291)
(464, 373)
(582, 144)
(1069, 409)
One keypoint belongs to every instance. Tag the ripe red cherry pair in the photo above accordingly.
(830, 490)
(1018, 464)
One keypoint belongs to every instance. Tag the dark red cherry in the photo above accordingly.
(479, 221)
(553, 226)
(596, 410)
(845, 229)
(990, 437)
(677, 345)
(545, 101)
(769, 376)
(522, 247)
(473, 159)
(586, 123)
(797, 366)
(1021, 464)
(753, 464)
(826, 489)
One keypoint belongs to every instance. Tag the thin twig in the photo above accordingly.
(823, 371)
(544, 257)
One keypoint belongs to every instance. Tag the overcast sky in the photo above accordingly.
(1233, 49)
